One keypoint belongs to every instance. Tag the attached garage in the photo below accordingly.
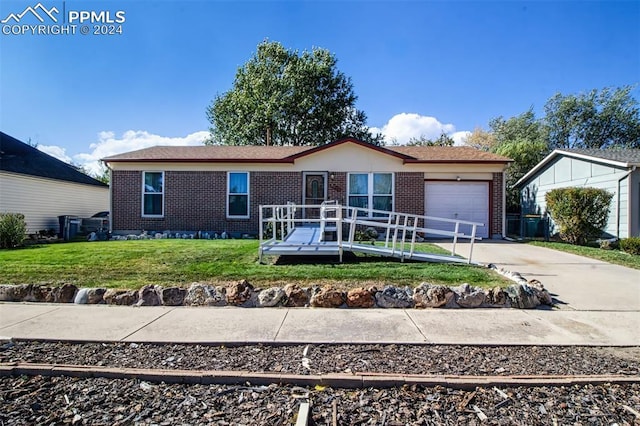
(458, 200)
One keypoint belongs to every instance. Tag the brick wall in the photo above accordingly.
(497, 197)
(196, 201)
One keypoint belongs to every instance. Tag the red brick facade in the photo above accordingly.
(196, 201)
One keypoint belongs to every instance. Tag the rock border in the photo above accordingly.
(522, 294)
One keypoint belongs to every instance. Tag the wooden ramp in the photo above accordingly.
(294, 233)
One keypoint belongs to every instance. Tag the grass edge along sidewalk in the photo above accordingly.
(134, 264)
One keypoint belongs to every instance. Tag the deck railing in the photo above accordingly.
(400, 229)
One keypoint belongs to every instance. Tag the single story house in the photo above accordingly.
(219, 188)
(42, 187)
(615, 170)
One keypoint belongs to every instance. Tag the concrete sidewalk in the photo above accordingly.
(310, 325)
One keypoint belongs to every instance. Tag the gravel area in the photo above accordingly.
(57, 400)
(407, 359)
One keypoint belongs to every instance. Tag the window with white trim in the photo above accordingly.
(153, 194)
(238, 195)
(371, 191)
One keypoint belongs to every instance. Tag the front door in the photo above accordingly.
(314, 192)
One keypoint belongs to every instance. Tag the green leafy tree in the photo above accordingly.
(597, 119)
(282, 97)
(442, 140)
(524, 127)
(525, 155)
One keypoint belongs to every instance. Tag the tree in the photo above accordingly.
(522, 127)
(442, 140)
(480, 139)
(597, 119)
(525, 155)
(281, 97)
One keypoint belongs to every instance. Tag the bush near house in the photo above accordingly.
(12, 230)
(580, 213)
(630, 245)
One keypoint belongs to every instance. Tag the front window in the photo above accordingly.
(371, 191)
(238, 194)
(153, 194)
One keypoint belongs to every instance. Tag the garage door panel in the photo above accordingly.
(458, 200)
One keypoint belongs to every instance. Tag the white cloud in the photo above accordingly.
(55, 151)
(404, 126)
(109, 144)
(459, 137)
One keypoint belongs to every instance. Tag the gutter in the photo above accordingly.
(626, 175)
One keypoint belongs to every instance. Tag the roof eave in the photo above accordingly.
(196, 160)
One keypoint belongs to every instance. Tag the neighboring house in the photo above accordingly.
(612, 169)
(42, 187)
(219, 188)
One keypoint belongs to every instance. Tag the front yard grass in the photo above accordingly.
(134, 264)
(617, 257)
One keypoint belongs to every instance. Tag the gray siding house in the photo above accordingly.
(615, 170)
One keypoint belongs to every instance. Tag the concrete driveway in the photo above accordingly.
(576, 282)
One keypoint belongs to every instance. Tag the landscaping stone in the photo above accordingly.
(542, 294)
(36, 293)
(120, 297)
(468, 296)
(361, 297)
(296, 297)
(148, 296)
(270, 297)
(95, 296)
(327, 297)
(432, 296)
(240, 292)
(172, 296)
(522, 296)
(497, 297)
(63, 294)
(205, 295)
(8, 293)
(82, 296)
(395, 297)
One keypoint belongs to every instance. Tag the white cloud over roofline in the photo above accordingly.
(403, 126)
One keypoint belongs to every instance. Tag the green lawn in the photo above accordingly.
(133, 264)
(617, 257)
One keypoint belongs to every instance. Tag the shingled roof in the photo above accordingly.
(21, 158)
(288, 154)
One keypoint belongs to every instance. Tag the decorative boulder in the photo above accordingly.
(522, 296)
(394, 297)
(497, 297)
(120, 297)
(432, 296)
(95, 296)
(327, 297)
(36, 293)
(239, 293)
(205, 295)
(296, 296)
(469, 297)
(543, 295)
(270, 297)
(361, 297)
(8, 293)
(82, 296)
(63, 294)
(172, 296)
(148, 296)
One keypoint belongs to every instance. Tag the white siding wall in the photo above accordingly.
(567, 172)
(43, 200)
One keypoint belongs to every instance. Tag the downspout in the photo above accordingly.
(110, 197)
(504, 206)
(626, 175)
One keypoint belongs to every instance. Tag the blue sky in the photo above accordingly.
(417, 67)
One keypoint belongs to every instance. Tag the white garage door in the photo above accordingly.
(458, 200)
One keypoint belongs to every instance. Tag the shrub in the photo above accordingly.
(12, 230)
(580, 213)
(630, 245)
